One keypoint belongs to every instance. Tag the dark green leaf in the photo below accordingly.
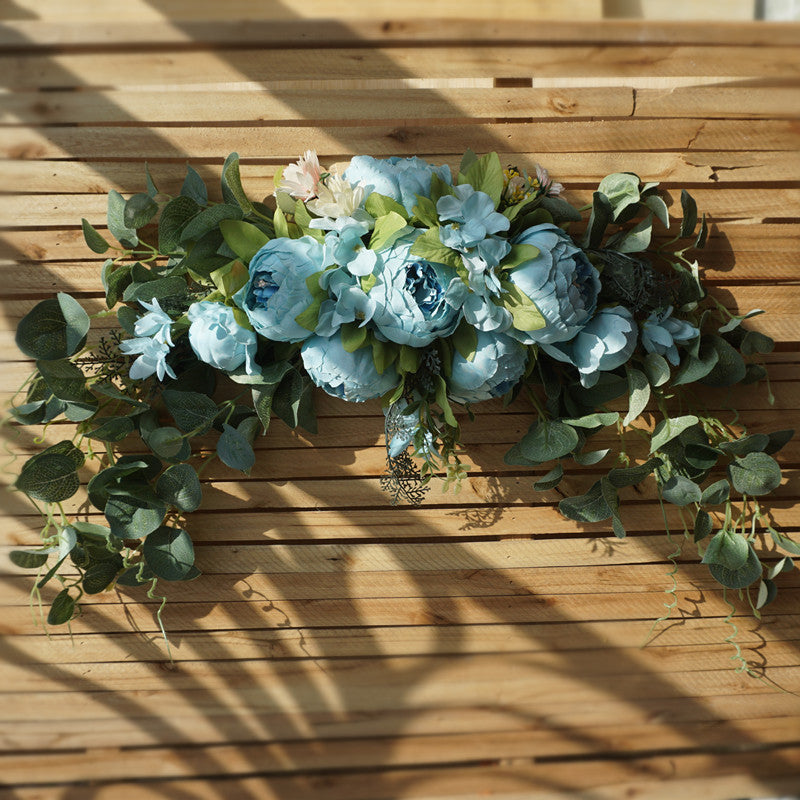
(112, 429)
(778, 440)
(209, 220)
(784, 542)
(167, 443)
(133, 512)
(755, 443)
(62, 609)
(99, 576)
(139, 210)
(169, 553)
(767, 592)
(293, 402)
(755, 474)
(66, 448)
(716, 494)
(159, 289)
(232, 190)
(668, 429)
(235, 451)
(49, 477)
(64, 380)
(657, 369)
(602, 215)
(700, 456)
(194, 187)
(550, 480)
(755, 342)
(124, 234)
(28, 559)
(741, 577)
(728, 549)
(702, 525)
(589, 507)
(680, 491)
(638, 392)
(192, 411)
(173, 220)
(131, 576)
(53, 329)
(689, 214)
(96, 243)
(630, 476)
(729, 368)
(548, 440)
(179, 486)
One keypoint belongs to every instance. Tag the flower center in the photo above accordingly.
(424, 287)
(262, 289)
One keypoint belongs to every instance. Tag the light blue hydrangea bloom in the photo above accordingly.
(347, 249)
(604, 343)
(402, 179)
(152, 358)
(350, 376)
(277, 292)
(346, 302)
(560, 281)
(498, 365)
(416, 301)
(156, 324)
(661, 332)
(217, 339)
(473, 216)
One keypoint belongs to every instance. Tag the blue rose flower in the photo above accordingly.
(351, 376)
(605, 343)
(277, 292)
(661, 332)
(497, 366)
(217, 339)
(473, 216)
(416, 301)
(560, 281)
(402, 179)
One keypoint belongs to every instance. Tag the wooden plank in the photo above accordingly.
(636, 65)
(283, 143)
(364, 30)
(311, 104)
(719, 101)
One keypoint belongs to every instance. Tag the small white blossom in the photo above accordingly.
(336, 197)
(301, 179)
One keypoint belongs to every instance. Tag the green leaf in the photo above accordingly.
(638, 392)
(208, 220)
(49, 477)
(139, 210)
(728, 549)
(112, 429)
(429, 247)
(467, 160)
(235, 451)
(194, 187)
(659, 208)
(755, 342)
(767, 592)
(174, 218)
(96, 243)
(602, 215)
(64, 380)
(179, 486)
(716, 494)
(444, 403)
(167, 443)
(353, 336)
(62, 609)
(125, 235)
(192, 411)
(548, 440)
(729, 368)
(519, 254)
(152, 189)
(232, 190)
(689, 214)
(590, 507)
(465, 340)
(590, 458)
(551, 479)
(702, 525)
(630, 476)
(680, 491)
(741, 577)
(784, 542)
(28, 559)
(635, 240)
(595, 420)
(133, 512)
(53, 329)
(378, 205)
(657, 369)
(99, 576)
(621, 189)
(701, 456)
(243, 238)
(560, 210)
(388, 229)
(485, 175)
(525, 315)
(702, 235)
(169, 553)
(778, 440)
(755, 474)
(755, 443)
(668, 429)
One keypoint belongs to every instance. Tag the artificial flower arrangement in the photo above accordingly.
(393, 279)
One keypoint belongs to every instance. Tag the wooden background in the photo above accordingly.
(337, 647)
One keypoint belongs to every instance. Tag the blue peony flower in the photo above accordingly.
(560, 281)
(156, 324)
(497, 366)
(402, 179)
(152, 358)
(351, 376)
(416, 301)
(661, 332)
(217, 339)
(277, 292)
(605, 343)
(473, 215)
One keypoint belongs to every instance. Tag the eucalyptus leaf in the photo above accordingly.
(689, 207)
(716, 494)
(589, 507)
(179, 486)
(133, 512)
(194, 186)
(169, 553)
(656, 368)
(193, 412)
(551, 479)
(680, 491)
(702, 525)
(139, 210)
(96, 243)
(49, 477)
(727, 549)
(741, 577)
(99, 576)
(53, 329)
(174, 218)
(548, 440)
(638, 392)
(28, 559)
(755, 474)
(235, 451)
(667, 429)
(62, 609)
(778, 440)
(122, 232)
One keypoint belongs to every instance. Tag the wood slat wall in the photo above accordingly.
(338, 647)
